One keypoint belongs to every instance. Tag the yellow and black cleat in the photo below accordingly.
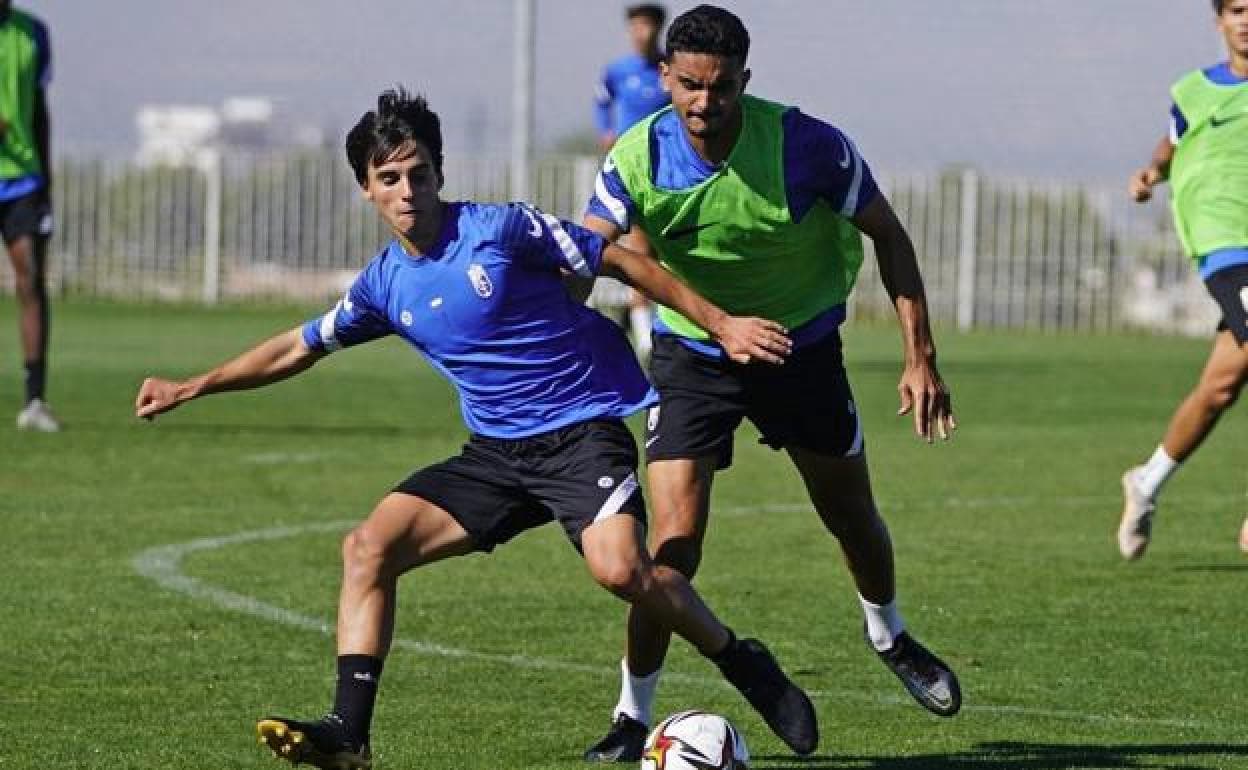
(320, 744)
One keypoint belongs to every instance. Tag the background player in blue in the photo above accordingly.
(630, 90)
(1223, 269)
(684, 178)
(25, 185)
(543, 382)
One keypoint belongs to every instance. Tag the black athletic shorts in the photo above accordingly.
(28, 215)
(806, 402)
(1229, 288)
(498, 488)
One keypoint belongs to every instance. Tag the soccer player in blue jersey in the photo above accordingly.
(544, 383)
(1205, 159)
(761, 209)
(25, 200)
(631, 89)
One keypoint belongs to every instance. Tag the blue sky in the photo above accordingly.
(1054, 88)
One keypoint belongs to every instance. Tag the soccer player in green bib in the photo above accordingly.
(762, 209)
(25, 180)
(1205, 158)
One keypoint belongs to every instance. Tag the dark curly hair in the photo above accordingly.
(399, 118)
(711, 30)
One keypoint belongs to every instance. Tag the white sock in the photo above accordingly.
(639, 322)
(637, 694)
(1155, 472)
(884, 623)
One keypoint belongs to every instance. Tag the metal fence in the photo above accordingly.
(995, 252)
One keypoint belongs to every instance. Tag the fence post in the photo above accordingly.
(968, 247)
(210, 165)
(521, 185)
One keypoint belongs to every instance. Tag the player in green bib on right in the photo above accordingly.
(762, 207)
(1205, 158)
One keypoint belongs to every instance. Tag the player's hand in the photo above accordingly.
(746, 340)
(157, 396)
(1142, 182)
(924, 394)
(606, 141)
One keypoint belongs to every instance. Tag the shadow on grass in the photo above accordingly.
(1017, 755)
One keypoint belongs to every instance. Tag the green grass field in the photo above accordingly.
(166, 584)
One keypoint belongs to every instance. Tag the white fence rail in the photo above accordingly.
(995, 252)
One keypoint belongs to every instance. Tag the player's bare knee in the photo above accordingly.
(25, 288)
(626, 578)
(1221, 393)
(364, 554)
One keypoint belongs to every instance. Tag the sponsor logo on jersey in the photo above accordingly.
(481, 282)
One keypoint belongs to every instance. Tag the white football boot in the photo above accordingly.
(37, 417)
(1136, 527)
(1243, 537)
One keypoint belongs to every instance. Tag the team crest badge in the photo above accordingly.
(481, 282)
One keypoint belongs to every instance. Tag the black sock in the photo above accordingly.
(719, 658)
(36, 374)
(358, 676)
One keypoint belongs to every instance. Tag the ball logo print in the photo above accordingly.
(695, 740)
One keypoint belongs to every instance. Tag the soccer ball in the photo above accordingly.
(695, 740)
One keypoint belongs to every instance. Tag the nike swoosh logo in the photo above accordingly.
(1230, 118)
(675, 235)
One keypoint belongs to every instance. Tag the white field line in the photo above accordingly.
(163, 565)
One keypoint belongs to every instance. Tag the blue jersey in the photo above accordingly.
(820, 162)
(487, 306)
(629, 91)
(1222, 75)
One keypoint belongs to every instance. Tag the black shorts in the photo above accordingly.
(1229, 288)
(806, 402)
(498, 488)
(29, 215)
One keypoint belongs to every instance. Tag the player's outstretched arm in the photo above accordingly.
(273, 360)
(923, 392)
(1140, 187)
(743, 339)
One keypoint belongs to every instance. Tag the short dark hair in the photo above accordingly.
(652, 11)
(399, 118)
(708, 29)
(1217, 6)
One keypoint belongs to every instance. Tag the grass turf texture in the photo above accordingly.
(1069, 658)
